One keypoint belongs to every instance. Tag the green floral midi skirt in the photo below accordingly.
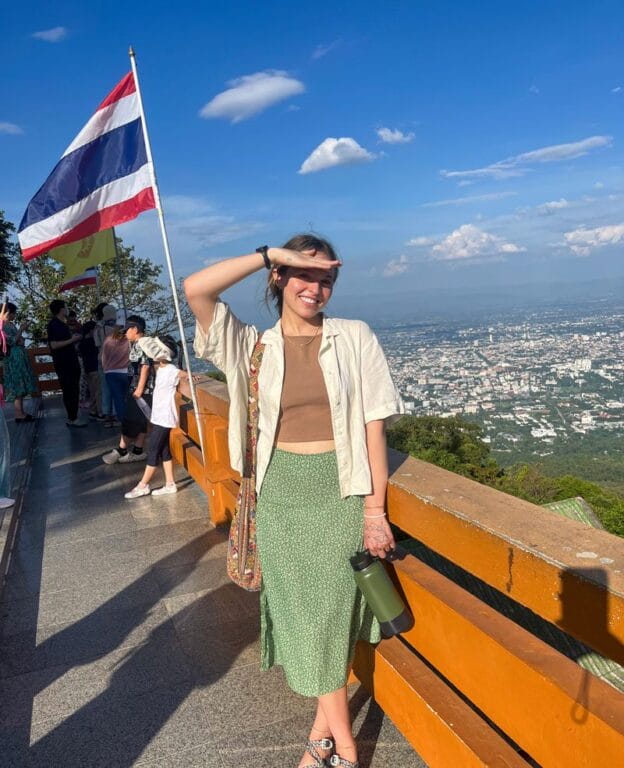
(312, 612)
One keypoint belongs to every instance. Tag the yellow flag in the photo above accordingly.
(78, 256)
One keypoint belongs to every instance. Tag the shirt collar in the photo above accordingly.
(274, 335)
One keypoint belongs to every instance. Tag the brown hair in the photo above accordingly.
(302, 242)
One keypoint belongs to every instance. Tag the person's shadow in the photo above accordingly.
(584, 606)
(115, 726)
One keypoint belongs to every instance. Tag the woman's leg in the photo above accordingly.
(335, 708)
(147, 475)
(320, 730)
(19, 407)
(168, 470)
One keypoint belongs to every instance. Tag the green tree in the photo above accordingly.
(450, 443)
(38, 283)
(9, 257)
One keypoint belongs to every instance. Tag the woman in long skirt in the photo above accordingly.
(19, 379)
(321, 470)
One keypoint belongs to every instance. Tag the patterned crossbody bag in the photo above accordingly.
(243, 565)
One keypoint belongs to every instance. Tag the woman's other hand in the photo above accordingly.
(282, 257)
(378, 538)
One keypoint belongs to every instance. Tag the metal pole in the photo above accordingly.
(97, 284)
(165, 239)
(119, 275)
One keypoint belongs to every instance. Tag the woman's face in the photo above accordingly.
(306, 291)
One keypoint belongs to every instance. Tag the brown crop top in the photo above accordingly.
(304, 408)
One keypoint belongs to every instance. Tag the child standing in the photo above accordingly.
(163, 418)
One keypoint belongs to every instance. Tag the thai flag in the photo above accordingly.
(103, 178)
(88, 277)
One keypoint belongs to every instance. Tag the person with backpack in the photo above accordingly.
(164, 415)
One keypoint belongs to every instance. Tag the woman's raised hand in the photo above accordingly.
(282, 257)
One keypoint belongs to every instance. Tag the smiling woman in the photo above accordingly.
(324, 391)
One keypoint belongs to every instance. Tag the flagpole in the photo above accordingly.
(97, 284)
(119, 275)
(165, 239)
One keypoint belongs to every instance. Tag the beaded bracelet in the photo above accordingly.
(383, 514)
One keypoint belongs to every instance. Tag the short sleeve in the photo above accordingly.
(228, 340)
(380, 397)
(58, 331)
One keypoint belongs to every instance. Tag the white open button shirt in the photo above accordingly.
(356, 374)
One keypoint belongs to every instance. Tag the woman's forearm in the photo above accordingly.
(203, 288)
(378, 462)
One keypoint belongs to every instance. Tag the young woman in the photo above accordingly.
(115, 357)
(164, 417)
(324, 392)
(19, 379)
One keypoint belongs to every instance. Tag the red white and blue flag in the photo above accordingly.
(88, 277)
(102, 179)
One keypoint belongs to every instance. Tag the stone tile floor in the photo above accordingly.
(122, 643)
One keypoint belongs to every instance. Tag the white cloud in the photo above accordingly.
(333, 152)
(421, 242)
(251, 94)
(394, 136)
(469, 244)
(598, 185)
(54, 35)
(582, 240)
(10, 128)
(617, 89)
(396, 266)
(324, 48)
(554, 205)
(469, 199)
(534, 89)
(517, 165)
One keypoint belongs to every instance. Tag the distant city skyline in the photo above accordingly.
(446, 150)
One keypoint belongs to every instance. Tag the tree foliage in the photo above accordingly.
(38, 283)
(8, 253)
(457, 445)
(452, 443)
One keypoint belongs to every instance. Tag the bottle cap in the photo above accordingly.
(362, 560)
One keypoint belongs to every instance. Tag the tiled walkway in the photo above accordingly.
(122, 642)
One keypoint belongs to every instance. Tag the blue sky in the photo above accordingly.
(442, 147)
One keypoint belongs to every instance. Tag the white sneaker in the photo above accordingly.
(138, 490)
(5, 502)
(131, 456)
(112, 457)
(166, 489)
(76, 423)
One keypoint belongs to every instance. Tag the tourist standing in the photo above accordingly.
(89, 356)
(65, 358)
(321, 471)
(134, 424)
(19, 379)
(163, 418)
(115, 360)
(5, 448)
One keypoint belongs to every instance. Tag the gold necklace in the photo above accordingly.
(305, 343)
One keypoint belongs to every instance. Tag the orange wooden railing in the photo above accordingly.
(469, 685)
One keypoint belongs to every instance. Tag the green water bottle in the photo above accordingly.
(380, 594)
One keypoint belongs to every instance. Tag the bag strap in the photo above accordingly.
(252, 409)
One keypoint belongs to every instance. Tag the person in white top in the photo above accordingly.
(163, 418)
(324, 393)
